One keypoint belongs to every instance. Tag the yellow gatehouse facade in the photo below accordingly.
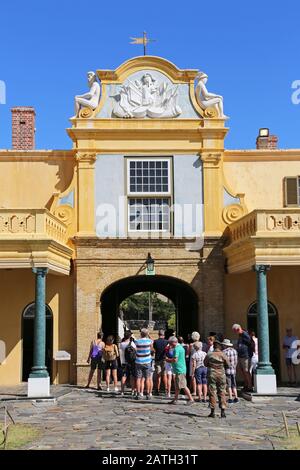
(148, 172)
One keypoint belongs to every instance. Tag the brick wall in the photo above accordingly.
(23, 128)
(268, 142)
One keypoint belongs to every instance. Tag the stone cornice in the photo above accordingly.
(43, 253)
(126, 243)
(266, 155)
(35, 155)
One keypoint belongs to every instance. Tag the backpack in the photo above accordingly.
(130, 354)
(109, 352)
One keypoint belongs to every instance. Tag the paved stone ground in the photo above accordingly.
(87, 419)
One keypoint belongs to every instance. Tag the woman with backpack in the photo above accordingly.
(127, 357)
(110, 356)
(95, 358)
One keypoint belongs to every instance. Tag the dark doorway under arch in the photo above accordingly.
(273, 332)
(28, 335)
(181, 293)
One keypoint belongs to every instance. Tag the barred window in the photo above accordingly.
(149, 176)
(147, 214)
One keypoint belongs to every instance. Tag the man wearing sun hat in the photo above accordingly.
(216, 362)
(231, 371)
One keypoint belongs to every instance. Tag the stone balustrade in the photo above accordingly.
(31, 224)
(279, 222)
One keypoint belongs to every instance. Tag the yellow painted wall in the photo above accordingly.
(30, 184)
(283, 292)
(16, 292)
(261, 181)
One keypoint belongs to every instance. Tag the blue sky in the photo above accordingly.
(249, 49)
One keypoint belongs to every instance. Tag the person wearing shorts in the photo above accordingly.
(128, 369)
(159, 346)
(179, 369)
(143, 368)
(95, 360)
(244, 354)
(110, 355)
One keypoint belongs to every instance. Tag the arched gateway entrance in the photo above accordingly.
(182, 295)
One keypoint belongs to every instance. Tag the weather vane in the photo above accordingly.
(144, 40)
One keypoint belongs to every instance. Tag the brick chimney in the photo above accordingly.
(265, 140)
(23, 128)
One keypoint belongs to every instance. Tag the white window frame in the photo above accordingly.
(150, 195)
(156, 194)
(149, 230)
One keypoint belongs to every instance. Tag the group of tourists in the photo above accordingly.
(202, 370)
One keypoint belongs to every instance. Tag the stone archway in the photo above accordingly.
(181, 293)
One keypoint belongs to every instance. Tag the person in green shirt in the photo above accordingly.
(179, 369)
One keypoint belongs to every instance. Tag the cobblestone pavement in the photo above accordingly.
(87, 419)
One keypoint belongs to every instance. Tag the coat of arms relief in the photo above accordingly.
(146, 97)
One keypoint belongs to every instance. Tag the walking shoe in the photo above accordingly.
(99, 387)
(203, 400)
(190, 402)
(168, 395)
(173, 402)
(230, 400)
(212, 413)
(116, 389)
(223, 415)
(122, 394)
(107, 389)
(236, 400)
(148, 396)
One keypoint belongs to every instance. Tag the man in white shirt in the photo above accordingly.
(290, 344)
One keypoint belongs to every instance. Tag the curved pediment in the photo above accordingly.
(147, 62)
(148, 87)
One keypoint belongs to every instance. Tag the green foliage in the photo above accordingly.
(19, 435)
(172, 321)
(136, 307)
